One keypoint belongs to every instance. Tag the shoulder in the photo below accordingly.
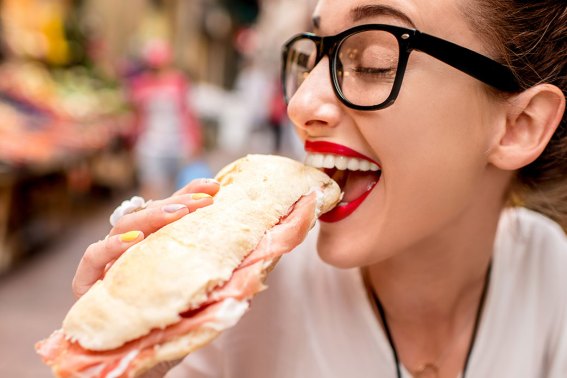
(531, 250)
(143, 80)
(528, 234)
(174, 77)
(524, 328)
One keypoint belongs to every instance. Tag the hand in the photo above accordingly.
(134, 227)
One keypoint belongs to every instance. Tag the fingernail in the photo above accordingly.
(173, 208)
(211, 181)
(130, 236)
(197, 196)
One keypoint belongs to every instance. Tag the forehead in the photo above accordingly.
(444, 18)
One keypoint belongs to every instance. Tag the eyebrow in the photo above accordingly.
(372, 10)
(368, 11)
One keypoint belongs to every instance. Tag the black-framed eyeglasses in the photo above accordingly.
(367, 63)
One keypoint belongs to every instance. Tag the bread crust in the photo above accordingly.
(174, 269)
(175, 349)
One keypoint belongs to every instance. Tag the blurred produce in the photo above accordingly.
(36, 29)
(63, 127)
(47, 118)
(58, 136)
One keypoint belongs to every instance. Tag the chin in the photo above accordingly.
(354, 246)
(339, 254)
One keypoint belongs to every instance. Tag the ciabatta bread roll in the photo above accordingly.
(193, 278)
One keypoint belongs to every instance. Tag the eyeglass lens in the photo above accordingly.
(365, 67)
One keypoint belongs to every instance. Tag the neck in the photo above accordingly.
(445, 277)
(438, 280)
(431, 291)
(436, 325)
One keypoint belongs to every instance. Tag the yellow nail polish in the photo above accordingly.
(129, 236)
(198, 196)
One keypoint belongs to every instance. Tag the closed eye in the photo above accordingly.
(372, 74)
(372, 70)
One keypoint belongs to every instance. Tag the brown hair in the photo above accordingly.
(530, 36)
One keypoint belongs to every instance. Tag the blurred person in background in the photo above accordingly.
(432, 266)
(277, 118)
(169, 132)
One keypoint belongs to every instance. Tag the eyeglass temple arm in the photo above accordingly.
(467, 61)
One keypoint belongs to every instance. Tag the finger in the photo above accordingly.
(206, 185)
(93, 263)
(193, 201)
(161, 213)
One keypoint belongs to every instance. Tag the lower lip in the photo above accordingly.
(340, 212)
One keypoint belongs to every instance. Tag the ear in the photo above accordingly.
(531, 119)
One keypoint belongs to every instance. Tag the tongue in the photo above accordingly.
(357, 184)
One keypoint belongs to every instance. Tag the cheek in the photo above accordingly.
(433, 162)
(436, 153)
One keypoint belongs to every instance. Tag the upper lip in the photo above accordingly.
(336, 149)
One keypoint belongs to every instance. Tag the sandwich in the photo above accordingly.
(179, 288)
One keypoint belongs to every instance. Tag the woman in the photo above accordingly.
(169, 133)
(445, 274)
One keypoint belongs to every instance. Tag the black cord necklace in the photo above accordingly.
(480, 307)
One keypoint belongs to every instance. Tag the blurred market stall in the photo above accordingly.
(60, 125)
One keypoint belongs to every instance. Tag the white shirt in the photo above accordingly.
(316, 320)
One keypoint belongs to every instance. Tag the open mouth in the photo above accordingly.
(355, 174)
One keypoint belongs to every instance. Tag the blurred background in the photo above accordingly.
(101, 100)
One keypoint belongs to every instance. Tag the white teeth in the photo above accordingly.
(317, 160)
(328, 161)
(354, 165)
(340, 162)
(364, 165)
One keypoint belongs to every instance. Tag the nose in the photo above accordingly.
(314, 109)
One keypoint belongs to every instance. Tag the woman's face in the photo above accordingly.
(432, 144)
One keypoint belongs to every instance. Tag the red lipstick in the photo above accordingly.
(335, 149)
(340, 212)
(344, 209)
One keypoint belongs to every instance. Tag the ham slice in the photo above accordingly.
(69, 359)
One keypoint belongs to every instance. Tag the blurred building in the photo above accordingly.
(201, 32)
